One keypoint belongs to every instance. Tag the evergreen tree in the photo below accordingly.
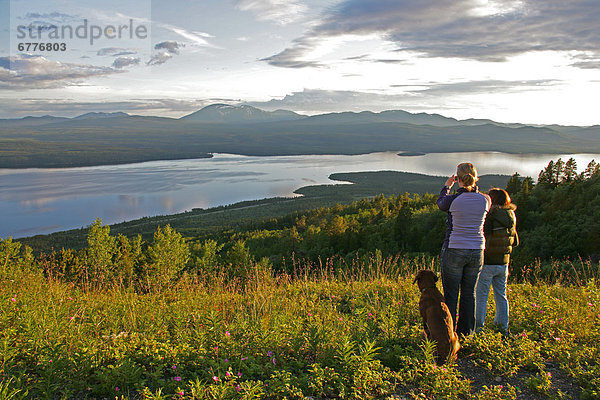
(592, 169)
(514, 184)
(569, 172)
(557, 171)
(547, 174)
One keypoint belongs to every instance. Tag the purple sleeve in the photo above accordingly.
(444, 200)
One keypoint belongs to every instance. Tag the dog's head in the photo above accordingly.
(425, 278)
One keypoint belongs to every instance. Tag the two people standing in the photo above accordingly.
(467, 264)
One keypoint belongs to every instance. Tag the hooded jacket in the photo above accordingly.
(500, 235)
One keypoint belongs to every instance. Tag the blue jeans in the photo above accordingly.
(460, 268)
(496, 276)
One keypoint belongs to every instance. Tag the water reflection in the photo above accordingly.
(40, 201)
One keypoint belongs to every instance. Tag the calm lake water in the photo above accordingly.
(34, 201)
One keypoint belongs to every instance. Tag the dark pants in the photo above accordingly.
(460, 268)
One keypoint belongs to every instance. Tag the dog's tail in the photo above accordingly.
(455, 346)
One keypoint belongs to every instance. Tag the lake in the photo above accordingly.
(38, 201)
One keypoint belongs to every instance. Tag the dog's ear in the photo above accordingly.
(417, 277)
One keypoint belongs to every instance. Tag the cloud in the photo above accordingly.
(470, 29)
(160, 58)
(477, 87)
(194, 37)
(586, 61)
(281, 12)
(37, 72)
(70, 107)
(114, 52)
(314, 101)
(167, 50)
(170, 46)
(53, 16)
(122, 62)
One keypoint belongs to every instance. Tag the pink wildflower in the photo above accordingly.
(216, 378)
(228, 374)
(244, 358)
(240, 374)
(174, 367)
(177, 378)
(238, 388)
(71, 318)
(116, 389)
(227, 333)
(274, 362)
(181, 393)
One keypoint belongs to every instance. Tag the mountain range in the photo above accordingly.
(110, 138)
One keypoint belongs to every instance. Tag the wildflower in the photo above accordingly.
(370, 314)
(228, 374)
(274, 362)
(71, 318)
(116, 388)
(309, 314)
(174, 367)
(590, 304)
(216, 378)
(226, 360)
(239, 374)
(341, 319)
(244, 358)
(216, 348)
(70, 298)
(269, 353)
(549, 375)
(500, 387)
(181, 393)
(177, 378)
(238, 388)
(227, 333)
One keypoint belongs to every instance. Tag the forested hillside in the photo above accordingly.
(557, 220)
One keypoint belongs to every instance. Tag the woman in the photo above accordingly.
(500, 237)
(462, 252)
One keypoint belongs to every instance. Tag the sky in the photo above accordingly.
(528, 61)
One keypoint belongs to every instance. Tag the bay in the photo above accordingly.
(39, 201)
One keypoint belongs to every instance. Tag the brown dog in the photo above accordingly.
(437, 320)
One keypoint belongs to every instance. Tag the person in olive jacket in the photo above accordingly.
(500, 238)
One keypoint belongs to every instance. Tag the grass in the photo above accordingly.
(345, 334)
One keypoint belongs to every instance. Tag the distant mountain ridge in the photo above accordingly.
(98, 138)
(224, 113)
(221, 113)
